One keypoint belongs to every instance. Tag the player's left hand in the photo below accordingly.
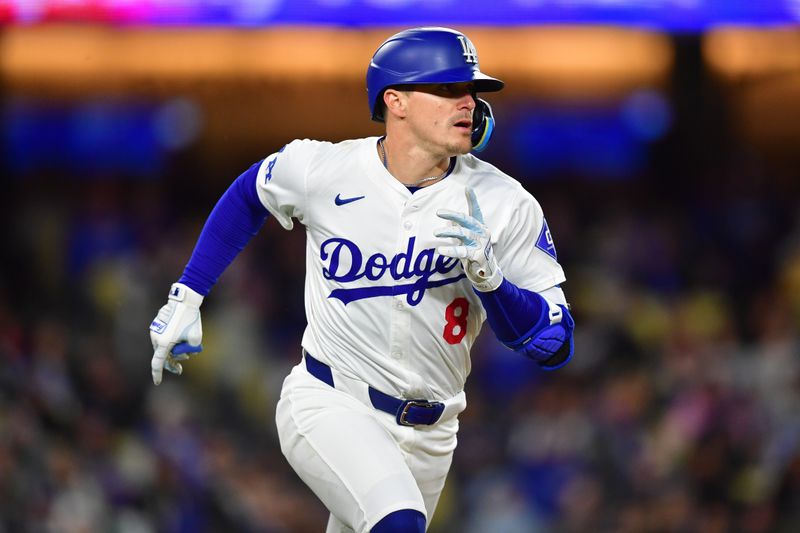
(475, 248)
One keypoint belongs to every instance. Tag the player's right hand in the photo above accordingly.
(474, 247)
(177, 331)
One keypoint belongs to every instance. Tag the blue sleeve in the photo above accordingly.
(236, 218)
(512, 311)
(521, 320)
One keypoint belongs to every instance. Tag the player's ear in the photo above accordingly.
(396, 102)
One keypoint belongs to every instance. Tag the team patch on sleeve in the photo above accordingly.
(545, 241)
(271, 165)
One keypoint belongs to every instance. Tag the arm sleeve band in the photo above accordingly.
(236, 218)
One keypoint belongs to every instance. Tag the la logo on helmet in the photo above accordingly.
(470, 54)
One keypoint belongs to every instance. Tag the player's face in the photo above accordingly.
(440, 116)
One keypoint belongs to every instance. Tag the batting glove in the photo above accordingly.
(475, 249)
(552, 346)
(176, 332)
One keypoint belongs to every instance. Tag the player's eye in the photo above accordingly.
(441, 89)
(454, 89)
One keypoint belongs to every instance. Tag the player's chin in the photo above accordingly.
(461, 142)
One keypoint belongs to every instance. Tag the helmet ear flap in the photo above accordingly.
(483, 122)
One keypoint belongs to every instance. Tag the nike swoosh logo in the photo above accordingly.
(341, 201)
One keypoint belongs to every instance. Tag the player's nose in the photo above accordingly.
(467, 101)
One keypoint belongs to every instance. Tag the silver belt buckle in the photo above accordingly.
(408, 404)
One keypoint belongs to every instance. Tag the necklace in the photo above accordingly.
(415, 184)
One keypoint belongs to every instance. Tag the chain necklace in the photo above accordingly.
(415, 184)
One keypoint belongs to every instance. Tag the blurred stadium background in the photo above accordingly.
(662, 138)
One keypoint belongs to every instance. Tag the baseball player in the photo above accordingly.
(412, 243)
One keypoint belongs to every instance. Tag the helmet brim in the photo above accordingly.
(487, 84)
(483, 83)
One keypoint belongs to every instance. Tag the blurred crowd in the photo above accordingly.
(679, 413)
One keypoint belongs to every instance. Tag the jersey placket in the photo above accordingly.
(401, 310)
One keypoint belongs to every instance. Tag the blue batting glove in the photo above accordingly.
(552, 347)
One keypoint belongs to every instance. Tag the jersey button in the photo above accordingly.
(407, 224)
(397, 355)
(398, 304)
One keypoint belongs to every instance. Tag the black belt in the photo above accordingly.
(406, 412)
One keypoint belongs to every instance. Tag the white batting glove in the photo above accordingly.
(475, 250)
(176, 332)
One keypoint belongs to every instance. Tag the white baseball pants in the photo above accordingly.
(357, 459)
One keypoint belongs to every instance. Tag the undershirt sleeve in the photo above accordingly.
(513, 312)
(235, 219)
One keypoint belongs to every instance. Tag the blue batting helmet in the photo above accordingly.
(424, 55)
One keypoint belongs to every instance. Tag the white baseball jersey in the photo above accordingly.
(382, 306)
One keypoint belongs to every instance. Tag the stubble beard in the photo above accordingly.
(448, 148)
(459, 148)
